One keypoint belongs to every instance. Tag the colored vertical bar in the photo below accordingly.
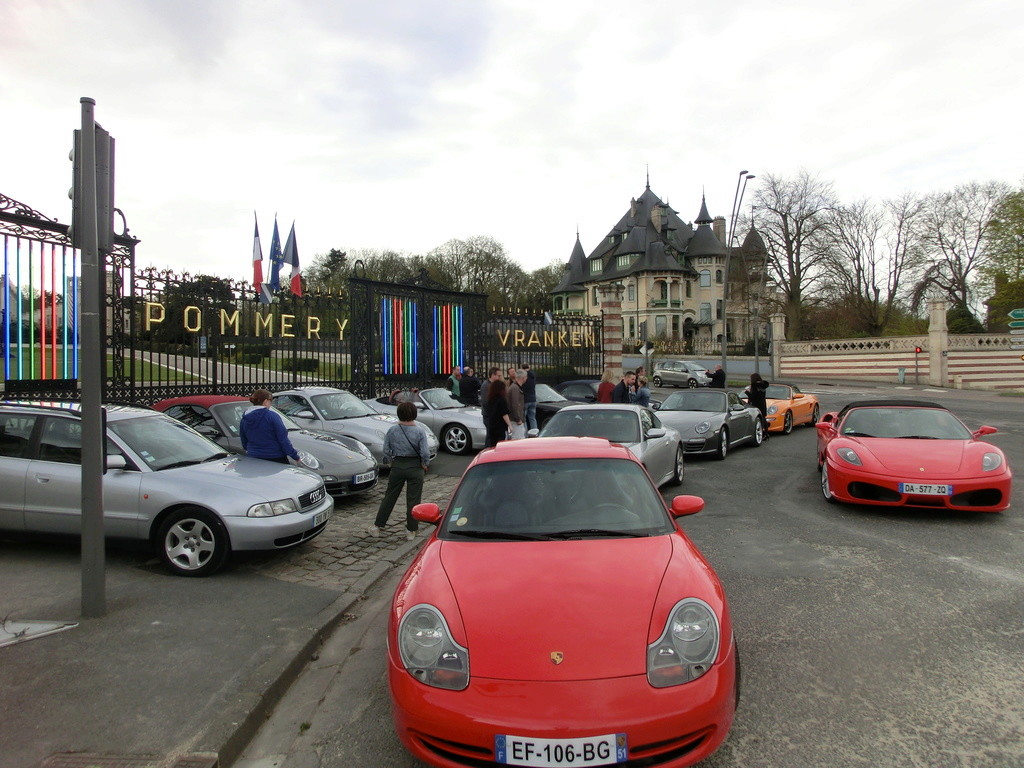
(31, 317)
(42, 311)
(53, 311)
(64, 310)
(396, 308)
(7, 312)
(75, 312)
(416, 337)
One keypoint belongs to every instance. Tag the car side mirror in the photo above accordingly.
(984, 429)
(590, 398)
(737, 407)
(824, 426)
(304, 415)
(207, 431)
(427, 513)
(655, 432)
(797, 395)
(686, 505)
(116, 461)
(533, 432)
(655, 405)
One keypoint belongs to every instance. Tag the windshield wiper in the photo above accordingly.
(214, 457)
(478, 534)
(858, 434)
(918, 437)
(596, 532)
(185, 463)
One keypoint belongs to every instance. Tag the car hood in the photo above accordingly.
(916, 459)
(242, 477)
(685, 421)
(468, 414)
(521, 602)
(330, 450)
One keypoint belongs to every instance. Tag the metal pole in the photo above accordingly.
(737, 200)
(91, 372)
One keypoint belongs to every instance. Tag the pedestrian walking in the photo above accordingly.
(621, 392)
(470, 386)
(606, 387)
(492, 375)
(517, 407)
(263, 433)
(498, 422)
(642, 396)
(530, 396)
(407, 451)
(756, 397)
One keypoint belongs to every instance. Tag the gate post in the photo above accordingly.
(938, 343)
(611, 307)
(778, 336)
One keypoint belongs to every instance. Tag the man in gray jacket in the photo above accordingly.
(517, 405)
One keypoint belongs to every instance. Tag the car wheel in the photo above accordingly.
(456, 439)
(826, 490)
(814, 416)
(758, 432)
(677, 470)
(691, 383)
(193, 542)
(787, 423)
(657, 381)
(723, 444)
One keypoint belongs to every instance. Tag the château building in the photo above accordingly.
(672, 274)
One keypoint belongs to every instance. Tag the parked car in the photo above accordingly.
(164, 483)
(789, 407)
(509, 619)
(549, 401)
(346, 465)
(680, 373)
(338, 412)
(711, 420)
(456, 426)
(579, 390)
(910, 453)
(658, 448)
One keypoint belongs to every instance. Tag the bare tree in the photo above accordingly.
(792, 216)
(955, 225)
(873, 249)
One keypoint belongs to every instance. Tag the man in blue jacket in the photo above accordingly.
(263, 433)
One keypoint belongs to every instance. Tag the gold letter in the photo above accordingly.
(341, 329)
(561, 339)
(576, 339)
(534, 339)
(312, 327)
(198, 324)
(549, 338)
(150, 317)
(504, 338)
(265, 321)
(518, 338)
(232, 321)
(286, 326)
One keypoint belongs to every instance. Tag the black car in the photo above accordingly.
(548, 402)
(584, 391)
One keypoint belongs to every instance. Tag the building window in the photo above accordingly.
(675, 326)
(705, 278)
(595, 296)
(595, 267)
(631, 293)
(705, 312)
(632, 327)
(718, 276)
(659, 326)
(623, 261)
(718, 309)
(664, 290)
(558, 303)
(689, 288)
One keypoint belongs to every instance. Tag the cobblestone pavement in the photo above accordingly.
(344, 553)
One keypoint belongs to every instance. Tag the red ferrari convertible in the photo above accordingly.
(910, 453)
(559, 617)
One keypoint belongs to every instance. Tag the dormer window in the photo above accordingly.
(624, 260)
(595, 267)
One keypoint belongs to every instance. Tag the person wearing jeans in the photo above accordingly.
(530, 396)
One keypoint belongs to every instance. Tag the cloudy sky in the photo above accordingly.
(403, 124)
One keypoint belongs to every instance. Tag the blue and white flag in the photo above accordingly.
(276, 260)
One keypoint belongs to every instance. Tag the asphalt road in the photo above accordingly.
(868, 637)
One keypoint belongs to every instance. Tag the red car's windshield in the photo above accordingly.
(922, 423)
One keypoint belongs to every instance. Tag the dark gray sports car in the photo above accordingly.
(711, 420)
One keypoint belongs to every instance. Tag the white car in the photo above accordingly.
(458, 427)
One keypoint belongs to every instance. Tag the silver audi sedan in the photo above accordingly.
(164, 483)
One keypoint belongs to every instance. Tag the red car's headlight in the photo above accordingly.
(991, 461)
(428, 651)
(850, 455)
(688, 646)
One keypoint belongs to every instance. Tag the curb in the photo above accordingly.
(238, 724)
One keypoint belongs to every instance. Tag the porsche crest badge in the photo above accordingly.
(557, 657)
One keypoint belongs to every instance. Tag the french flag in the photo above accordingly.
(291, 256)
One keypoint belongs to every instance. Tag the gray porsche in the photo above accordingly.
(711, 420)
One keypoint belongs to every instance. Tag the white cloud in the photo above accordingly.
(403, 124)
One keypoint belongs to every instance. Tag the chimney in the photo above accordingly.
(718, 227)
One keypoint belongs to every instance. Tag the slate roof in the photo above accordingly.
(575, 271)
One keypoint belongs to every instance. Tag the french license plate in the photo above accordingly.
(555, 753)
(322, 518)
(926, 489)
(363, 478)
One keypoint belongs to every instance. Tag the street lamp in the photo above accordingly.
(737, 201)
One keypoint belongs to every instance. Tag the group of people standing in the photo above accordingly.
(508, 403)
(631, 389)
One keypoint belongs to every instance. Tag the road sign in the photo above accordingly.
(1017, 346)
(1016, 323)
(1017, 314)
(1016, 330)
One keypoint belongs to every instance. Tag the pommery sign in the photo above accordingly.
(283, 326)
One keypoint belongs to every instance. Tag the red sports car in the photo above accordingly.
(559, 617)
(910, 453)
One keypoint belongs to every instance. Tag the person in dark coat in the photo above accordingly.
(718, 378)
(470, 386)
(624, 389)
(407, 451)
(530, 396)
(756, 397)
(263, 433)
(498, 421)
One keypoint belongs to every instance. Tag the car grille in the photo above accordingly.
(308, 501)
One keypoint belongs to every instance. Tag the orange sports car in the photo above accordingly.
(788, 407)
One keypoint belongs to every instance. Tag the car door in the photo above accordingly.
(16, 433)
(293, 405)
(801, 406)
(740, 421)
(659, 452)
(53, 487)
